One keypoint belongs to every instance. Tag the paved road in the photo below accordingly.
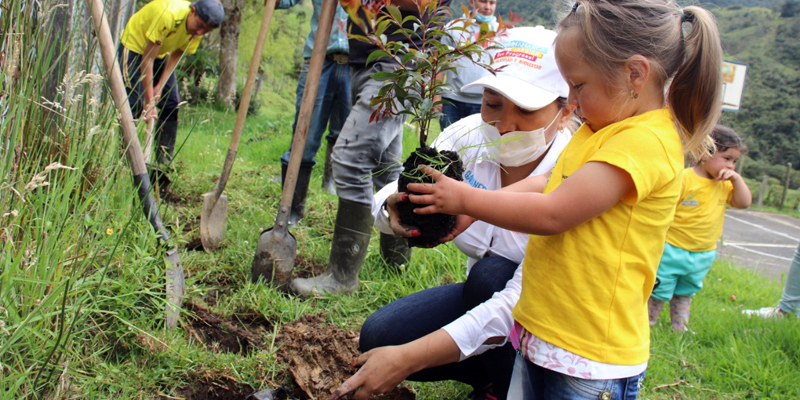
(759, 240)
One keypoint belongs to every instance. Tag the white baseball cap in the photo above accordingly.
(530, 76)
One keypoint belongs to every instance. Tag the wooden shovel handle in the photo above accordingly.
(131, 141)
(148, 140)
(244, 103)
(306, 108)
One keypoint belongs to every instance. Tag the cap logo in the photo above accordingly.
(521, 52)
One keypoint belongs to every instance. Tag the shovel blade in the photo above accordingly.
(274, 259)
(212, 221)
(176, 287)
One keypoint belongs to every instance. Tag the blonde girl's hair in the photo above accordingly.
(614, 30)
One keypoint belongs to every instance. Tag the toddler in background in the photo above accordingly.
(692, 238)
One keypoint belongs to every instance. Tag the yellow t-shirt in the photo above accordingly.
(700, 212)
(586, 290)
(160, 21)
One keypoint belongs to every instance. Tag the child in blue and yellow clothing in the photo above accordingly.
(692, 238)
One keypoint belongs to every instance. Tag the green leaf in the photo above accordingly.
(376, 55)
(383, 76)
(394, 11)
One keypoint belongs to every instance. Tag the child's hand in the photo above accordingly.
(727, 175)
(462, 223)
(443, 196)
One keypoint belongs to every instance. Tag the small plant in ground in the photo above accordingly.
(415, 88)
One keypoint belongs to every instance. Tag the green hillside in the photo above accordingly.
(765, 34)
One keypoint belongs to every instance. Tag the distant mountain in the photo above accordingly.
(765, 34)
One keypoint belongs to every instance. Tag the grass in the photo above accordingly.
(82, 275)
(114, 344)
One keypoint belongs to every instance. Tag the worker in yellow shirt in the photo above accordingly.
(154, 40)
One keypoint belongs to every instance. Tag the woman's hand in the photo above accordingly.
(398, 227)
(381, 370)
(444, 196)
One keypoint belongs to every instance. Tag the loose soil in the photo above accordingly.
(217, 389)
(306, 267)
(227, 334)
(319, 357)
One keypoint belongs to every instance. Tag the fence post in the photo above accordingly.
(786, 183)
(763, 191)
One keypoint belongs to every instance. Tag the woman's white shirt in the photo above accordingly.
(481, 239)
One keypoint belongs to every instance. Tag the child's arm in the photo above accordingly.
(590, 191)
(742, 198)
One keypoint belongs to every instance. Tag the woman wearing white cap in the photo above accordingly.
(445, 332)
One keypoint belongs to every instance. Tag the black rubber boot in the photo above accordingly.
(394, 250)
(349, 248)
(328, 184)
(300, 192)
(166, 133)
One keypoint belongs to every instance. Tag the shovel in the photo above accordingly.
(274, 258)
(141, 180)
(215, 205)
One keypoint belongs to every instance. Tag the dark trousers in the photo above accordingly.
(131, 63)
(421, 313)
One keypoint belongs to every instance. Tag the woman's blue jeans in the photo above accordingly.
(532, 382)
(424, 312)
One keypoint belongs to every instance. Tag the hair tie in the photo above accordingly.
(575, 7)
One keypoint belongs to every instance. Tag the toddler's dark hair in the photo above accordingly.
(726, 138)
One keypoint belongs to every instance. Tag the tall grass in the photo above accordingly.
(67, 220)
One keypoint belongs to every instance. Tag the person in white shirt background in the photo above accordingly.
(463, 102)
(523, 125)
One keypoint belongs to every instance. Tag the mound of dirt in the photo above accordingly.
(319, 357)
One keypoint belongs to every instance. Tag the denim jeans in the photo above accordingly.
(456, 111)
(790, 301)
(331, 108)
(367, 154)
(421, 313)
(532, 382)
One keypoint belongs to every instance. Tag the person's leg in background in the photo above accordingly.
(340, 109)
(669, 270)
(363, 150)
(789, 303)
(318, 124)
(456, 111)
(166, 131)
(697, 266)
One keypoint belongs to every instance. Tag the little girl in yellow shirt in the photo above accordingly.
(691, 243)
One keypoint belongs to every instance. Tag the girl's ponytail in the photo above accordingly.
(695, 94)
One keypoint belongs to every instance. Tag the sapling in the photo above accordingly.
(415, 88)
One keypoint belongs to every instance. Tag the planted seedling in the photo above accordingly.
(415, 88)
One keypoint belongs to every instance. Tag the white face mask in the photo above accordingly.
(517, 147)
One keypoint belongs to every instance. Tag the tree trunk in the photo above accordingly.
(119, 12)
(228, 52)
